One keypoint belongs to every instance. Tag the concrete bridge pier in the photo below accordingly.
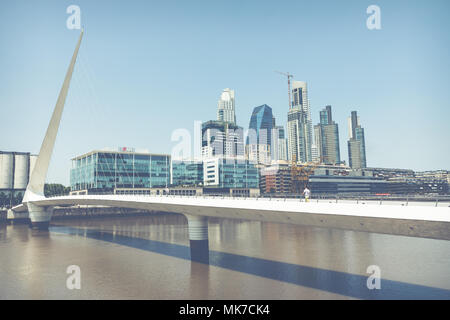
(39, 216)
(198, 237)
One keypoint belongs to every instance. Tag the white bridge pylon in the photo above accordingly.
(40, 216)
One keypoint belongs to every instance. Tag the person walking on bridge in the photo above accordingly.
(307, 194)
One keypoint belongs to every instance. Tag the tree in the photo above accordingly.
(17, 198)
(55, 189)
(3, 200)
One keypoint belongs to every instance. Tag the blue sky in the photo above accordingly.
(147, 68)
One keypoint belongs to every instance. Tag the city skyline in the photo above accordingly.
(105, 116)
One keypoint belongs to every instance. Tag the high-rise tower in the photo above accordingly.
(299, 125)
(326, 135)
(279, 145)
(225, 107)
(356, 143)
(259, 141)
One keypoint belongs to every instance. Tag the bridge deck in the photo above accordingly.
(390, 218)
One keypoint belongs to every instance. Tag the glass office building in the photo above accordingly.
(104, 171)
(261, 124)
(230, 173)
(259, 140)
(187, 173)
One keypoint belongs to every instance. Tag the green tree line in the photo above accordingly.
(10, 199)
(55, 189)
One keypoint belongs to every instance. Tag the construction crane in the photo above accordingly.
(289, 76)
(299, 172)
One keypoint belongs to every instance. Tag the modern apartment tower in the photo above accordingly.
(259, 140)
(356, 143)
(225, 107)
(299, 125)
(326, 135)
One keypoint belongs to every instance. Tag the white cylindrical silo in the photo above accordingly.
(21, 171)
(6, 170)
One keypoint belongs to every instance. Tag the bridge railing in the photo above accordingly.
(401, 200)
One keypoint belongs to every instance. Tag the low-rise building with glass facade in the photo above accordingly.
(104, 171)
(187, 173)
(230, 173)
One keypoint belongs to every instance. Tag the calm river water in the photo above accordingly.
(147, 257)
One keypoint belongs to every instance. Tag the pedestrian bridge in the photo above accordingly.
(417, 219)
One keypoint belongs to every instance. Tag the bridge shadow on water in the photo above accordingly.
(351, 285)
